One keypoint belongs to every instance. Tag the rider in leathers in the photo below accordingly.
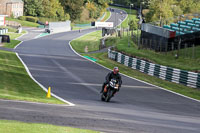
(112, 75)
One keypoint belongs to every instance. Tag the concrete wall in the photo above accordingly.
(56, 27)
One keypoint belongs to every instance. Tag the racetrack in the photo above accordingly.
(138, 107)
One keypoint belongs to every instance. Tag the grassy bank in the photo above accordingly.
(166, 59)
(103, 60)
(16, 83)
(91, 41)
(23, 23)
(21, 127)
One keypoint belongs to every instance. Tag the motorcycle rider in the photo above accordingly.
(114, 74)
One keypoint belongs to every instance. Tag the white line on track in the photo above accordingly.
(49, 104)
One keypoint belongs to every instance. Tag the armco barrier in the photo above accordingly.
(186, 78)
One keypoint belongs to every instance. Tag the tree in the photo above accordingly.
(190, 6)
(73, 7)
(33, 8)
(56, 10)
(186, 5)
(145, 3)
(92, 8)
(133, 25)
(177, 11)
(44, 8)
(160, 10)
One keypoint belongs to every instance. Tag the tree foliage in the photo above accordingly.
(160, 10)
(92, 8)
(64, 9)
(33, 7)
(164, 9)
(133, 24)
(73, 7)
(44, 8)
(96, 7)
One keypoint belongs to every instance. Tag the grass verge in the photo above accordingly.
(24, 23)
(13, 42)
(103, 60)
(91, 41)
(166, 59)
(16, 84)
(21, 127)
(107, 15)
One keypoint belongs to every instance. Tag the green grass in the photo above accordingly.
(10, 29)
(122, 44)
(16, 83)
(13, 42)
(21, 127)
(14, 35)
(24, 23)
(166, 59)
(91, 41)
(107, 15)
(131, 16)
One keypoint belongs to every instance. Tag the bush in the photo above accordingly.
(23, 18)
(43, 19)
(31, 19)
(67, 16)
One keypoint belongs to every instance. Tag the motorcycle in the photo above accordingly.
(111, 88)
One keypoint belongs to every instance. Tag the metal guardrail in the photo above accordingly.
(178, 76)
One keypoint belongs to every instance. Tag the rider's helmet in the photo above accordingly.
(115, 70)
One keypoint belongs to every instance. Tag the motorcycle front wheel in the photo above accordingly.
(109, 95)
(102, 97)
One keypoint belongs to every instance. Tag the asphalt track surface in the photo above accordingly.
(137, 108)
